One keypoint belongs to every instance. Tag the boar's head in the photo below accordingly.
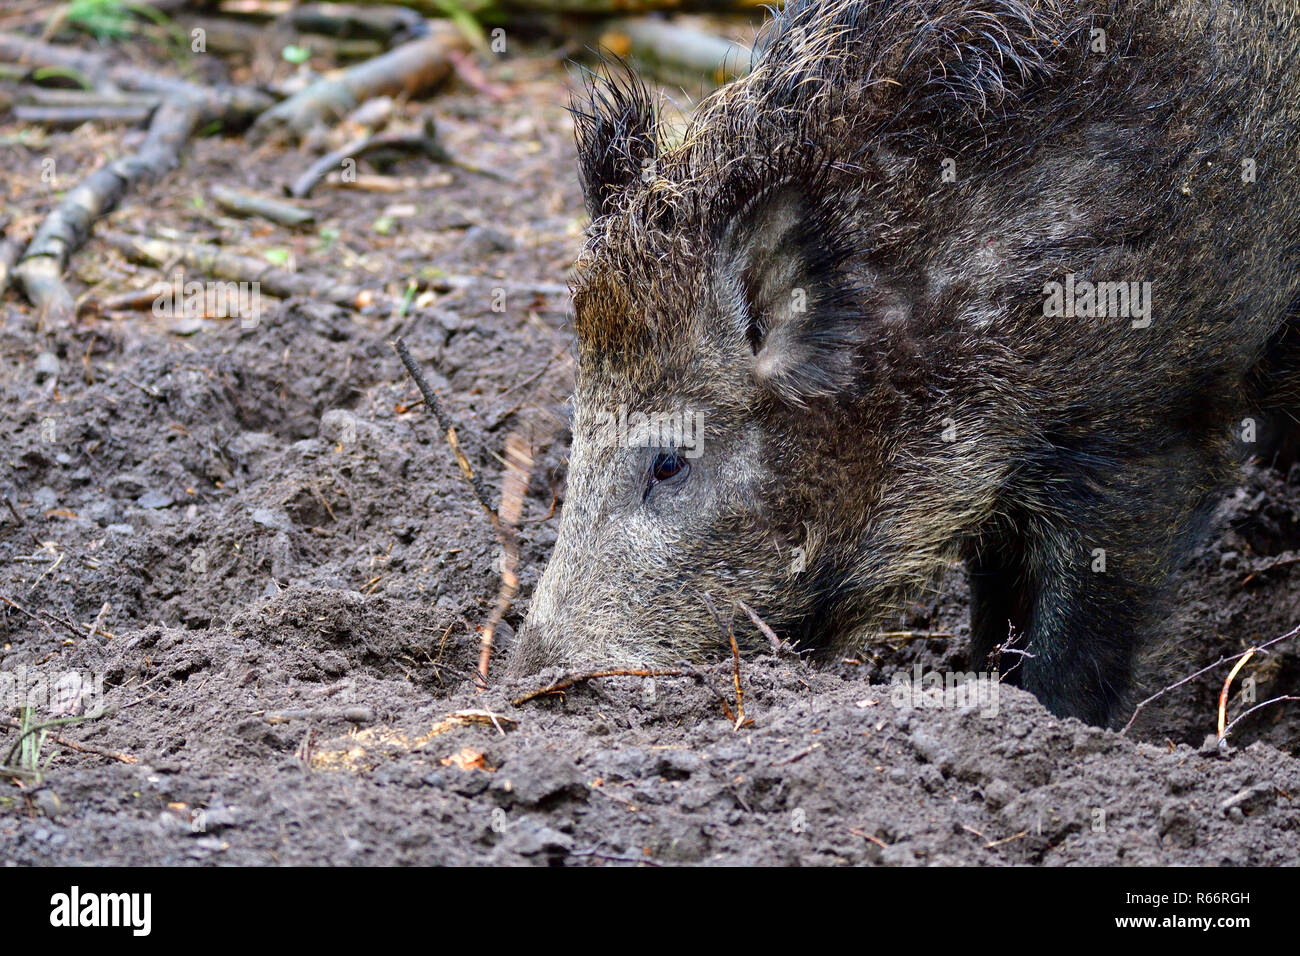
(773, 403)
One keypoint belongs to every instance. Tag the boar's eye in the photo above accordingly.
(667, 466)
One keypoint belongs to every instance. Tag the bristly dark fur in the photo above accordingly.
(615, 128)
(841, 265)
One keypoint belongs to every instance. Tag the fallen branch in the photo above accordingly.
(230, 105)
(680, 49)
(44, 617)
(40, 271)
(505, 520)
(383, 22)
(250, 204)
(70, 117)
(438, 8)
(24, 733)
(84, 748)
(779, 646)
(222, 263)
(41, 96)
(409, 69)
(423, 143)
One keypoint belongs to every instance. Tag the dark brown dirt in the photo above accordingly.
(272, 530)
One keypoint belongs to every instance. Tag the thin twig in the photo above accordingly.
(728, 631)
(569, 682)
(476, 483)
(1205, 670)
(56, 722)
(1239, 717)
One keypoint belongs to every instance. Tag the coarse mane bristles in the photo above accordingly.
(832, 81)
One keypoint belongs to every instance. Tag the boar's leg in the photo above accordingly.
(1275, 383)
(999, 615)
(1082, 586)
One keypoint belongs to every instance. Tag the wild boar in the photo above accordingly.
(1013, 282)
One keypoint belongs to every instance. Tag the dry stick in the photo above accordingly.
(735, 674)
(410, 69)
(28, 614)
(41, 96)
(476, 484)
(70, 117)
(1240, 717)
(222, 263)
(356, 715)
(352, 22)
(56, 722)
(519, 465)
(438, 8)
(233, 105)
(729, 633)
(42, 617)
(40, 272)
(680, 49)
(417, 142)
(243, 203)
(1205, 670)
(576, 679)
(84, 748)
(778, 646)
(1279, 562)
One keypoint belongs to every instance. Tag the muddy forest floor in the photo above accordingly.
(274, 528)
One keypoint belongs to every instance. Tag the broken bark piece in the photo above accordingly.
(250, 204)
(40, 271)
(410, 69)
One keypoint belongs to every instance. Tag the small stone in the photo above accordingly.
(339, 425)
(484, 240)
(46, 366)
(271, 518)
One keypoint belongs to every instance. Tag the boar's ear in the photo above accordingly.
(781, 283)
(614, 124)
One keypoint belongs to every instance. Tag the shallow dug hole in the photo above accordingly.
(286, 571)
